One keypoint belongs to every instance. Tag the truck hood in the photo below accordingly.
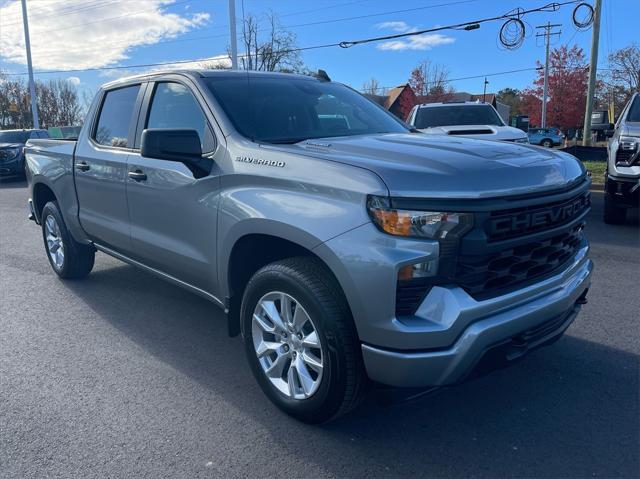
(483, 132)
(431, 166)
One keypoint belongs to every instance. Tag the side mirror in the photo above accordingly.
(173, 145)
(609, 133)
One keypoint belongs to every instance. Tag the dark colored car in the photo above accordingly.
(11, 150)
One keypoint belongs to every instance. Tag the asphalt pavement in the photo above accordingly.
(124, 375)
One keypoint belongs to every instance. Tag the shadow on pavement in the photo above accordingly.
(569, 410)
(12, 183)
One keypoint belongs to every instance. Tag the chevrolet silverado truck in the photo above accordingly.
(622, 176)
(346, 248)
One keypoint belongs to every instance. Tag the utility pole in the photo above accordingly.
(484, 92)
(32, 85)
(545, 90)
(232, 33)
(593, 66)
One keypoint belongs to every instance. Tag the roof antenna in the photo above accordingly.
(322, 75)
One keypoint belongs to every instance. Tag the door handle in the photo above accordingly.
(83, 166)
(137, 175)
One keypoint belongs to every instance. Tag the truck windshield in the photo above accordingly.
(456, 115)
(289, 109)
(634, 111)
(14, 136)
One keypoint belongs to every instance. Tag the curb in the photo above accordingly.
(598, 188)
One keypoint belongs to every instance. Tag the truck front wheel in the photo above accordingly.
(613, 214)
(300, 340)
(68, 258)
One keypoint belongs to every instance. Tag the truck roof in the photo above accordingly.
(201, 72)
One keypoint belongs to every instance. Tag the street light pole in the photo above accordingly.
(232, 33)
(32, 85)
(484, 92)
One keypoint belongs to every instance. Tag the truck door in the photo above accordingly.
(100, 168)
(174, 210)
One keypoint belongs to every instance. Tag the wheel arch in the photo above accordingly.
(41, 195)
(251, 251)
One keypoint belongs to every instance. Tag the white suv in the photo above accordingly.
(468, 119)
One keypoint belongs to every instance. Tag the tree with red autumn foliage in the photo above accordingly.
(568, 75)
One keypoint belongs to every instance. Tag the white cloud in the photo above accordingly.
(395, 26)
(418, 42)
(90, 37)
(74, 80)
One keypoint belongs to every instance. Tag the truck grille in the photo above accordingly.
(625, 156)
(513, 244)
(485, 276)
(522, 221)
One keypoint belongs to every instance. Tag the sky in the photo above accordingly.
(90, 34)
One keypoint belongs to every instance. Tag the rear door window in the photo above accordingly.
(115, 117)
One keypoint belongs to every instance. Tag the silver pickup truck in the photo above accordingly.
(622, 177)
(345, 247)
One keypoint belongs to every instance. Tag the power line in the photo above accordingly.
(115, 18)
(334, 20)
(471, 25)
(72, 11)
(344, 44)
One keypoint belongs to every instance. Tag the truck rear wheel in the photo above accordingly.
(300, 340)
(68, 258)
(613, 214)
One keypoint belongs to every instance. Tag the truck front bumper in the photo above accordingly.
(516, 323)
(623, 191)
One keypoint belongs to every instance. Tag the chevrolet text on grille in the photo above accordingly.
(542, 217)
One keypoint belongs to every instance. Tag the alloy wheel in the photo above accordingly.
(287, 345)
(55, 245)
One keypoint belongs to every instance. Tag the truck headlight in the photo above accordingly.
(436, 225)
(628, 143)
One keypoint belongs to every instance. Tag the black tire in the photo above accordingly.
(78, 258)
(613, 214)
(343, 383)
(547, 143)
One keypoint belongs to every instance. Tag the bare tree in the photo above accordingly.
(371, 87)
(58, 104)
(429, 78)
(269, 49)
(618, 84)
(625, 67)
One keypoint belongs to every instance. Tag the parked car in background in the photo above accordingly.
(11, 149)
(341, 245)
(622, 176)
(467, 118)
(548, 137)
(65, 132)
